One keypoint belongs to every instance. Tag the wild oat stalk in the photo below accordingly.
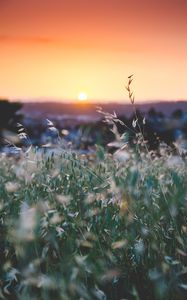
(128, 88)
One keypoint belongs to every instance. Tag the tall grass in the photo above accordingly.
(96, 226)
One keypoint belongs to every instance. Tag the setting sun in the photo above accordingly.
(82, 96)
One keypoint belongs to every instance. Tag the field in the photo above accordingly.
(101, 226)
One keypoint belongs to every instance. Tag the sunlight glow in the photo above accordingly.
(82, 96)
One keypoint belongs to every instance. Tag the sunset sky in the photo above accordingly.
(57, 49)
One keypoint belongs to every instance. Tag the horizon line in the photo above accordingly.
(92, 102)
(89, 101)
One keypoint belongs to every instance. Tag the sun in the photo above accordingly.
(82, 96)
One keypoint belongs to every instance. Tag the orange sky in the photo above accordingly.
(59, 48)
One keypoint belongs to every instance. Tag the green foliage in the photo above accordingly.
(93, 227)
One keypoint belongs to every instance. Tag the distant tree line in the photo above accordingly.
(9, 116)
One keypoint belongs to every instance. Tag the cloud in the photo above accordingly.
(70, 44)
(29, 39)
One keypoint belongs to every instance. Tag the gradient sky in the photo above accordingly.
(59, 48)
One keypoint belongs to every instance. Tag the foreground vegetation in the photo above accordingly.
(97, 226)
(100, 226)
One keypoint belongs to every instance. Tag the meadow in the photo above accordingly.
(98, 226)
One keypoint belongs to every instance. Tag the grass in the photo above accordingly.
(77, 227)
(100, 226)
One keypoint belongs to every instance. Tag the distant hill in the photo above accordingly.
(43, 109)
